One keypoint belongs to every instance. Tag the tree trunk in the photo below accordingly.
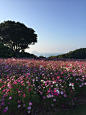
(16, 53)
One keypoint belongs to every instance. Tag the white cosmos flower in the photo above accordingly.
(57, 91)
(42, 80)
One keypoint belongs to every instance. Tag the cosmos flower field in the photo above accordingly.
(30, 84)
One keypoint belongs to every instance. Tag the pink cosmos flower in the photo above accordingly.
(3, 86)
(23, 95)
(4, 90)
(28, 111)
(0, 80)
(48, 91)
(51, 85)
(19, 106)
(72, 84)
(33, 80)
(27, 82)
(17, 89)
(15, 82)
(56, 94)
(6, 108)
(43, 97)
(65, 95)
(19, 94)
(4, 111)
(30, 103)
(2, 103)
(21, 90)
(9, 86)
(5, 95)
(29, 108)
(29, 89)
(45, 84)
(22, 81)
(52, 104)
(8, 90)
(18, 80)
(61, 92)
(80, 86)
(53, 78)
(58, 77)
(54, 99)
(49, 88)
(19, 101)
(85, 83)
(10, 97)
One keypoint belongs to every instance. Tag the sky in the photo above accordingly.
(59, 24)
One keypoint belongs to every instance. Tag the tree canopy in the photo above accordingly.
(16, 35)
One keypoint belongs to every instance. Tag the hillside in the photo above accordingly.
(76, 54)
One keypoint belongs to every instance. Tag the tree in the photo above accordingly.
(16, 36)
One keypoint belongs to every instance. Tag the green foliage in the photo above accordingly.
(52, 56)
(76, 54)
(42, 57)
(6, 52)
(12, 54)
(26, 55)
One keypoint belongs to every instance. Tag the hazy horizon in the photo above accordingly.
(45, 54)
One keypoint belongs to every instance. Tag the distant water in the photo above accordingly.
(46, 54)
